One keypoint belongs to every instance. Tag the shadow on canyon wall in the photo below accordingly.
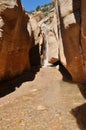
(35, 56)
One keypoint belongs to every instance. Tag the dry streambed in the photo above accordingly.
(46, 103)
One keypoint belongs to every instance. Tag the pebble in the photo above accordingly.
(41, 108)
(55, 127)
(34, 90)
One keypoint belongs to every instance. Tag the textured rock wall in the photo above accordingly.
(15, 40)
(71, 15)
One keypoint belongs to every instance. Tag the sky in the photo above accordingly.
(30, 5)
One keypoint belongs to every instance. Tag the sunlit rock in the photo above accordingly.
(71, 35)
(15, 39)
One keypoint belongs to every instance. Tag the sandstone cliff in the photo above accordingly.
(65, 31)
(46, 22)
(15, 39)
(23, 39)
(71, 37)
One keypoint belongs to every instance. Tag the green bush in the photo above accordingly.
(38, 8)
(45, 9)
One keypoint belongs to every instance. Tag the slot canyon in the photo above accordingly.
(43, 66)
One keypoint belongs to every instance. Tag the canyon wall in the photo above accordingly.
(16, 39)
(71, 25)
(22, 39)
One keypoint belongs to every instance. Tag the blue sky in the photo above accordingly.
(30, 5)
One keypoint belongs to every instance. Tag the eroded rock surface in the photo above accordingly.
(15, 39)
(71, 34)
(47, 35)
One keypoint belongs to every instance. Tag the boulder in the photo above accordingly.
(15, 39)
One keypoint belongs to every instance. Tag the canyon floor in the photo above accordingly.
(42, 102)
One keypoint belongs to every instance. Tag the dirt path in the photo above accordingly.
(46, 103)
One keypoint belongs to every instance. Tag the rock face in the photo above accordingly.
(47, 35)
(15, 39)
(71, 37)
